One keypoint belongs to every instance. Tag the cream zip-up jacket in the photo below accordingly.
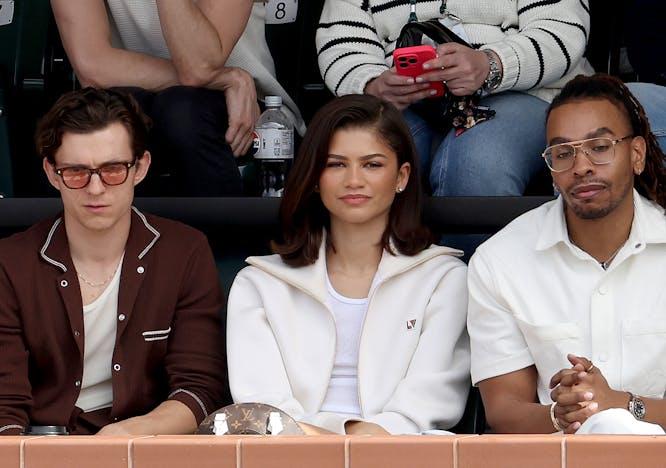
(414, 363)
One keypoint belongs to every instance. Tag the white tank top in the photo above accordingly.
(99, 325)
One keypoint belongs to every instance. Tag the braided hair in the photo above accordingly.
(651, 183)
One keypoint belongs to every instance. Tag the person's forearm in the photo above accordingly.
(196, 49)
(123, 68)
(522, 418)
(171, 417)
(655, 410)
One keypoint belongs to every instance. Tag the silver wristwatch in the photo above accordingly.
(494, 77)
(636, 407)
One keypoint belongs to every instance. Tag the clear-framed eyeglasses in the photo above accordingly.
(561, 157)
(78, 177)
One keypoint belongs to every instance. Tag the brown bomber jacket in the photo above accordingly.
(168, 287)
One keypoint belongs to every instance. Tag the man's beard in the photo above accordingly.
(582, 211)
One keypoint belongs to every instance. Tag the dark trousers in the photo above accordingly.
(190, 156)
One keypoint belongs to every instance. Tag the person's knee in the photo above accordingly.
(182, 113)
(485, 163)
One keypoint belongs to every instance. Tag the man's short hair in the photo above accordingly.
(89, 110)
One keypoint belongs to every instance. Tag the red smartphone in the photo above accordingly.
(409, 61)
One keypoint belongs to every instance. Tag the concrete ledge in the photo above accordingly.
(461, 451)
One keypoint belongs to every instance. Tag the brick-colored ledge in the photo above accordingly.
(463, 451)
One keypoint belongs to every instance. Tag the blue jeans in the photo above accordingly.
(500, 156)
(496, 157)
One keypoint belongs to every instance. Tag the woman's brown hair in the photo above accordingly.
(303, 216)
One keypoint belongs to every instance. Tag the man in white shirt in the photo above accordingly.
(566, 310)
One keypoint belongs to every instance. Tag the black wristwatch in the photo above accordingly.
(494, 77)
(636, 407)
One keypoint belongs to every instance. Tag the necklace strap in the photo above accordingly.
(98, 285)
(412, 10)
(605, 264)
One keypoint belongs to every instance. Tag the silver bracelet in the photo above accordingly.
(553, 419)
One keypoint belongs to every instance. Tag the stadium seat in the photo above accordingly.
(6, 178)
(295, 55)
(32, 68)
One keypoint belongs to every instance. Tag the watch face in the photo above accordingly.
(639, 408)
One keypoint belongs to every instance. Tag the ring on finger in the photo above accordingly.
(589, 369)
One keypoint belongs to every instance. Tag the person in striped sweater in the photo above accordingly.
(522, 54)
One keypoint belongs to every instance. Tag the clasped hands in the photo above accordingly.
(580, 392)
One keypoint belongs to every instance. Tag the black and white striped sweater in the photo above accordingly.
(540, 42)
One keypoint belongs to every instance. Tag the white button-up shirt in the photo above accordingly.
(534, 297)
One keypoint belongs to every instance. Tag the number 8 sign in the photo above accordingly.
(281, 11)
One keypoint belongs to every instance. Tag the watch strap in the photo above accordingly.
(636, 407)
(494, 77)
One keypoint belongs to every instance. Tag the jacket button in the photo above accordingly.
(77, 383)
(77, 333)
(140, 270)
(121, 317)
(64, 283)
(116, 367)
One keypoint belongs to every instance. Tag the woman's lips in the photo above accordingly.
(355, 199)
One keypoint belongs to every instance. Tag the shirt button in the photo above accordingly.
(77, 383)
(64, 283)
(116, 367)
(638, 246)
(77, 333)
(140, 270)
(603, 357)
(603, 290)
(121, 317)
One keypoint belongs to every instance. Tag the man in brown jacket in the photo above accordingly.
(109, 318)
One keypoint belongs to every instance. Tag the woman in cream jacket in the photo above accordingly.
(357, 325)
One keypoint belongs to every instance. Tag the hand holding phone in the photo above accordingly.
(408, 61)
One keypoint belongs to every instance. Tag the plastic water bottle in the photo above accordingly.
(274, 147)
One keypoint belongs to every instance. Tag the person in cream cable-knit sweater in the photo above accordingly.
(537, 45)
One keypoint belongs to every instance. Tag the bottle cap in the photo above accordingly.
(273, 101)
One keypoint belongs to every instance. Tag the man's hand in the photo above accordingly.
(240, 95)
(581, 392)
(170, 417)
(463, 69)
(131, 426)
(401, 91)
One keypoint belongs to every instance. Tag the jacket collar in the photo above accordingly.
(648, 226)
(311, 279)
(142, 238)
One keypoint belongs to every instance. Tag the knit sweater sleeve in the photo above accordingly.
(550, 40)
(349, 50)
